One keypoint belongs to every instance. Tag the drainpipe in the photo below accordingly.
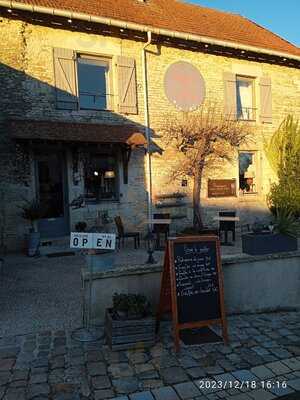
(148, 132)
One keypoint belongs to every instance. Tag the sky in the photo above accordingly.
(281, 17)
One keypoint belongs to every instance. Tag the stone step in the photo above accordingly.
(57, 250)
(56, 241)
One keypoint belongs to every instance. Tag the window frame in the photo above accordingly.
(116, 156)
(257, 173)
(109, 82)
(252, 80)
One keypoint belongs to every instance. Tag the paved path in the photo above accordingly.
(262, 362)
(39, 293)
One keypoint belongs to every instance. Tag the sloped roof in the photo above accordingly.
(76, 132)
(178, 16)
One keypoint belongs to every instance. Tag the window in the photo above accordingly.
(248, 172)
(245, 98)
(101, 178)
(93, 83)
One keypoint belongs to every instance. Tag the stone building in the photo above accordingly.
(83, 85)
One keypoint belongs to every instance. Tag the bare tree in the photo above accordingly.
(203, 137)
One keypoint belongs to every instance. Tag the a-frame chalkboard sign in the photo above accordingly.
(192, 284)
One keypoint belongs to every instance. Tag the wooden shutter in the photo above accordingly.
(230, 103)
(127, 94)
(265, 100)
(65, 79)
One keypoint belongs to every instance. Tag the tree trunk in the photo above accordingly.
(198, 223)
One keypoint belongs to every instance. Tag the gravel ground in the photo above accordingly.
(40, 294)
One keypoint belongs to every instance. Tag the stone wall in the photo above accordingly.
(274, 277)
(27, 87)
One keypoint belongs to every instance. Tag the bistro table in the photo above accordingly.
(159, 221)
(225, 219)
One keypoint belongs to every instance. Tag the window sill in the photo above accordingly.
(95, 202)
(247, 120)
(82, 111)
(249, 197)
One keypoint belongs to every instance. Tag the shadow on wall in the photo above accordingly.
(24, 97)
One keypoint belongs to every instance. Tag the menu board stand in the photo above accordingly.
(192, 285)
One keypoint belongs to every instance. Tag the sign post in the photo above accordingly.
(90, 242)
(192, 285)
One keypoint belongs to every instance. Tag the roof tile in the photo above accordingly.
(176, 15)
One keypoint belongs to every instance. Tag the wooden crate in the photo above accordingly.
(129, 334)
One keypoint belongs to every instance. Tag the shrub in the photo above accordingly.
(283, 153)
(286, 223)
(130, 306)
(80, 226)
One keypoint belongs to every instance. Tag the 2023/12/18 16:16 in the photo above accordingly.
(236, 384)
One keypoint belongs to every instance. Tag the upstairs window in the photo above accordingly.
(93, 83)
(248, 172)
(101, 178)
(245, 98)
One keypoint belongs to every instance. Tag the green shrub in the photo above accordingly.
(286, 223)
(129, 306)
(283, 153)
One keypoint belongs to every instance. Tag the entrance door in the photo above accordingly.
(52, 194)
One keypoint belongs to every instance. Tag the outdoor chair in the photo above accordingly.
(227, 226)
(159, 229)
(122, 234)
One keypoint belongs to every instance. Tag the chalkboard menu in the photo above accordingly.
(192, 284)
(221, 187)
(196, 277)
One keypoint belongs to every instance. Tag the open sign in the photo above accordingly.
(100, 241)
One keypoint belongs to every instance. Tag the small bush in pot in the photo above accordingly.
(31, 211)
(81, 226)
(129, 323)
(130, 306)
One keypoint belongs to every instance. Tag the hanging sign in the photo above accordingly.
(192, 284)
(98, 241)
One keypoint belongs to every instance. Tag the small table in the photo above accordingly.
(231, 219)
(159, 221)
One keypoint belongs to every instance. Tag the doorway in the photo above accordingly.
(51, 189)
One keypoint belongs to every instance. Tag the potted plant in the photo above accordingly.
(81, 226)
(280, 236)
(31, 211)
(129, 323)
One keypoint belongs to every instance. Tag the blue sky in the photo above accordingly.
(281, 17)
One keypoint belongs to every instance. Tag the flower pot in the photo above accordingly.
(129, 334)
(268, 243)
(33, 243)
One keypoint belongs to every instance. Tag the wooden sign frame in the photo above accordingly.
(168, 297)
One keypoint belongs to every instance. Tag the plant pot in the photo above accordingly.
(33, 243)
(268, 243)
(129, 334)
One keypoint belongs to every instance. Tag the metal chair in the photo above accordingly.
(159, 229)
(122, 234)
(227, 226)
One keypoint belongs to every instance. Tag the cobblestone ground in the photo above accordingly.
(264, 353)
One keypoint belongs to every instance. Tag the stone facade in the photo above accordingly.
(28, 91)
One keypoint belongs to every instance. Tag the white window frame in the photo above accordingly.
(257, 177)
(108, 79)
(251, 111)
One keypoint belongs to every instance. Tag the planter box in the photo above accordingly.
(129, 334)
(267, 243)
